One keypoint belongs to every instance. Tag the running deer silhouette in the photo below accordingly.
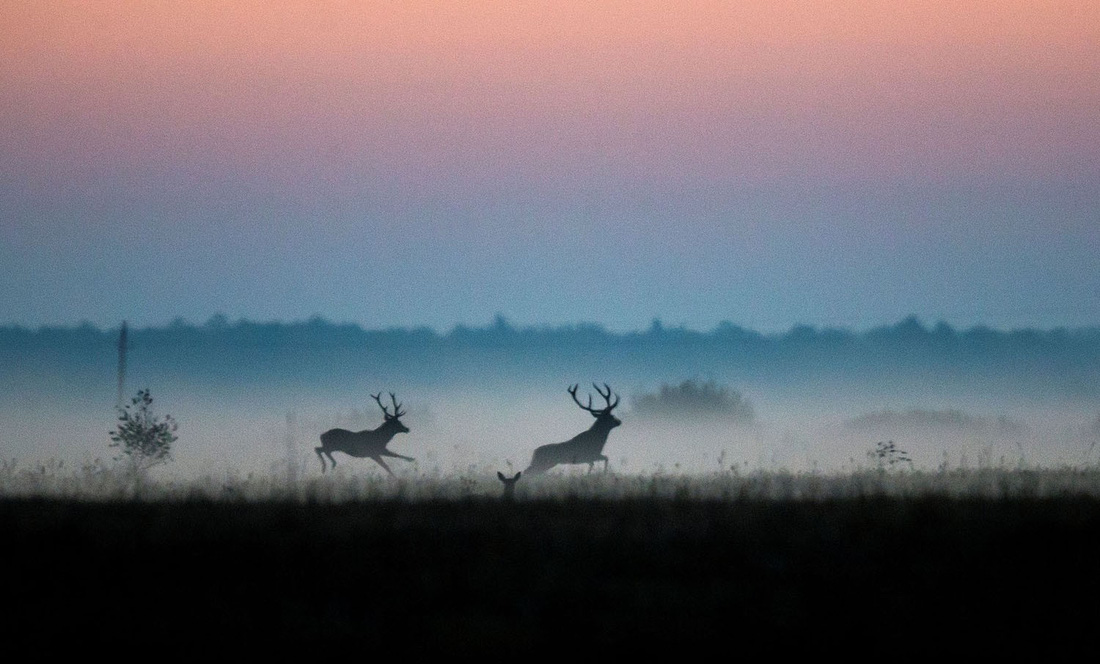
(365, 444)
(509, 485)
(585, 447)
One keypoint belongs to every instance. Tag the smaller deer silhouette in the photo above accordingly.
(370, 443)
(585, 447)
(509, 485)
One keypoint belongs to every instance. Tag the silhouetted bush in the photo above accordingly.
(888, 455)
(693, 399)
(143, 439)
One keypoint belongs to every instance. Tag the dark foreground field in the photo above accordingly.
(571, 576)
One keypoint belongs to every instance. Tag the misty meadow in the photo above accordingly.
(254, 397)
(815, 482)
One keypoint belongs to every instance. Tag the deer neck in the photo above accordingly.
(601, 428)
(388, 429)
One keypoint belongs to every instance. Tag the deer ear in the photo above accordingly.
(500, 475)
(517, 476)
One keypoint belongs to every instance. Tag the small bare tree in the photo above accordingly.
(887, 456)
(143, 439)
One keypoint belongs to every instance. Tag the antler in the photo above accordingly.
(573, 391)
(607, 397)
(378, 398)
(396, 406)
(397, 412)
(596, 411)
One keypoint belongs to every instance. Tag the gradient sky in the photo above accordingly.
(764, 162)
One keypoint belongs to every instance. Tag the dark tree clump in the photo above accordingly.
(694, 399)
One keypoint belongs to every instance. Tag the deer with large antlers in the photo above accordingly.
(365, 444)
(585, 447)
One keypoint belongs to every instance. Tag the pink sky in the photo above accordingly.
(344, 110)
(557, 93)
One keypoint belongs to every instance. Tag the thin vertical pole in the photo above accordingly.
(121, 365)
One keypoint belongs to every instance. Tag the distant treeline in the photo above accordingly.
(1060, 361)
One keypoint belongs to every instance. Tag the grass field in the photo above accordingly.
(984, 559)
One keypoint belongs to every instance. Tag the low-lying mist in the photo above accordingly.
(465, 431)
(252, 398)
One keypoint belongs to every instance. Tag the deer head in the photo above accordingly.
(604, 418)
(391, 420)
(509, 484)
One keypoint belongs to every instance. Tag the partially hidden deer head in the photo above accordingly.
(509, 484)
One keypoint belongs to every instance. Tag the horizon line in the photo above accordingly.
(499, 322)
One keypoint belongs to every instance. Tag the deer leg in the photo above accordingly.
(383, 464)
(331, 459)
(604, 459)
(396, 455)
(318, 450)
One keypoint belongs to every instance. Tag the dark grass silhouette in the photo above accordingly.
(370, 443)
(585, 447)
(484, 576)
